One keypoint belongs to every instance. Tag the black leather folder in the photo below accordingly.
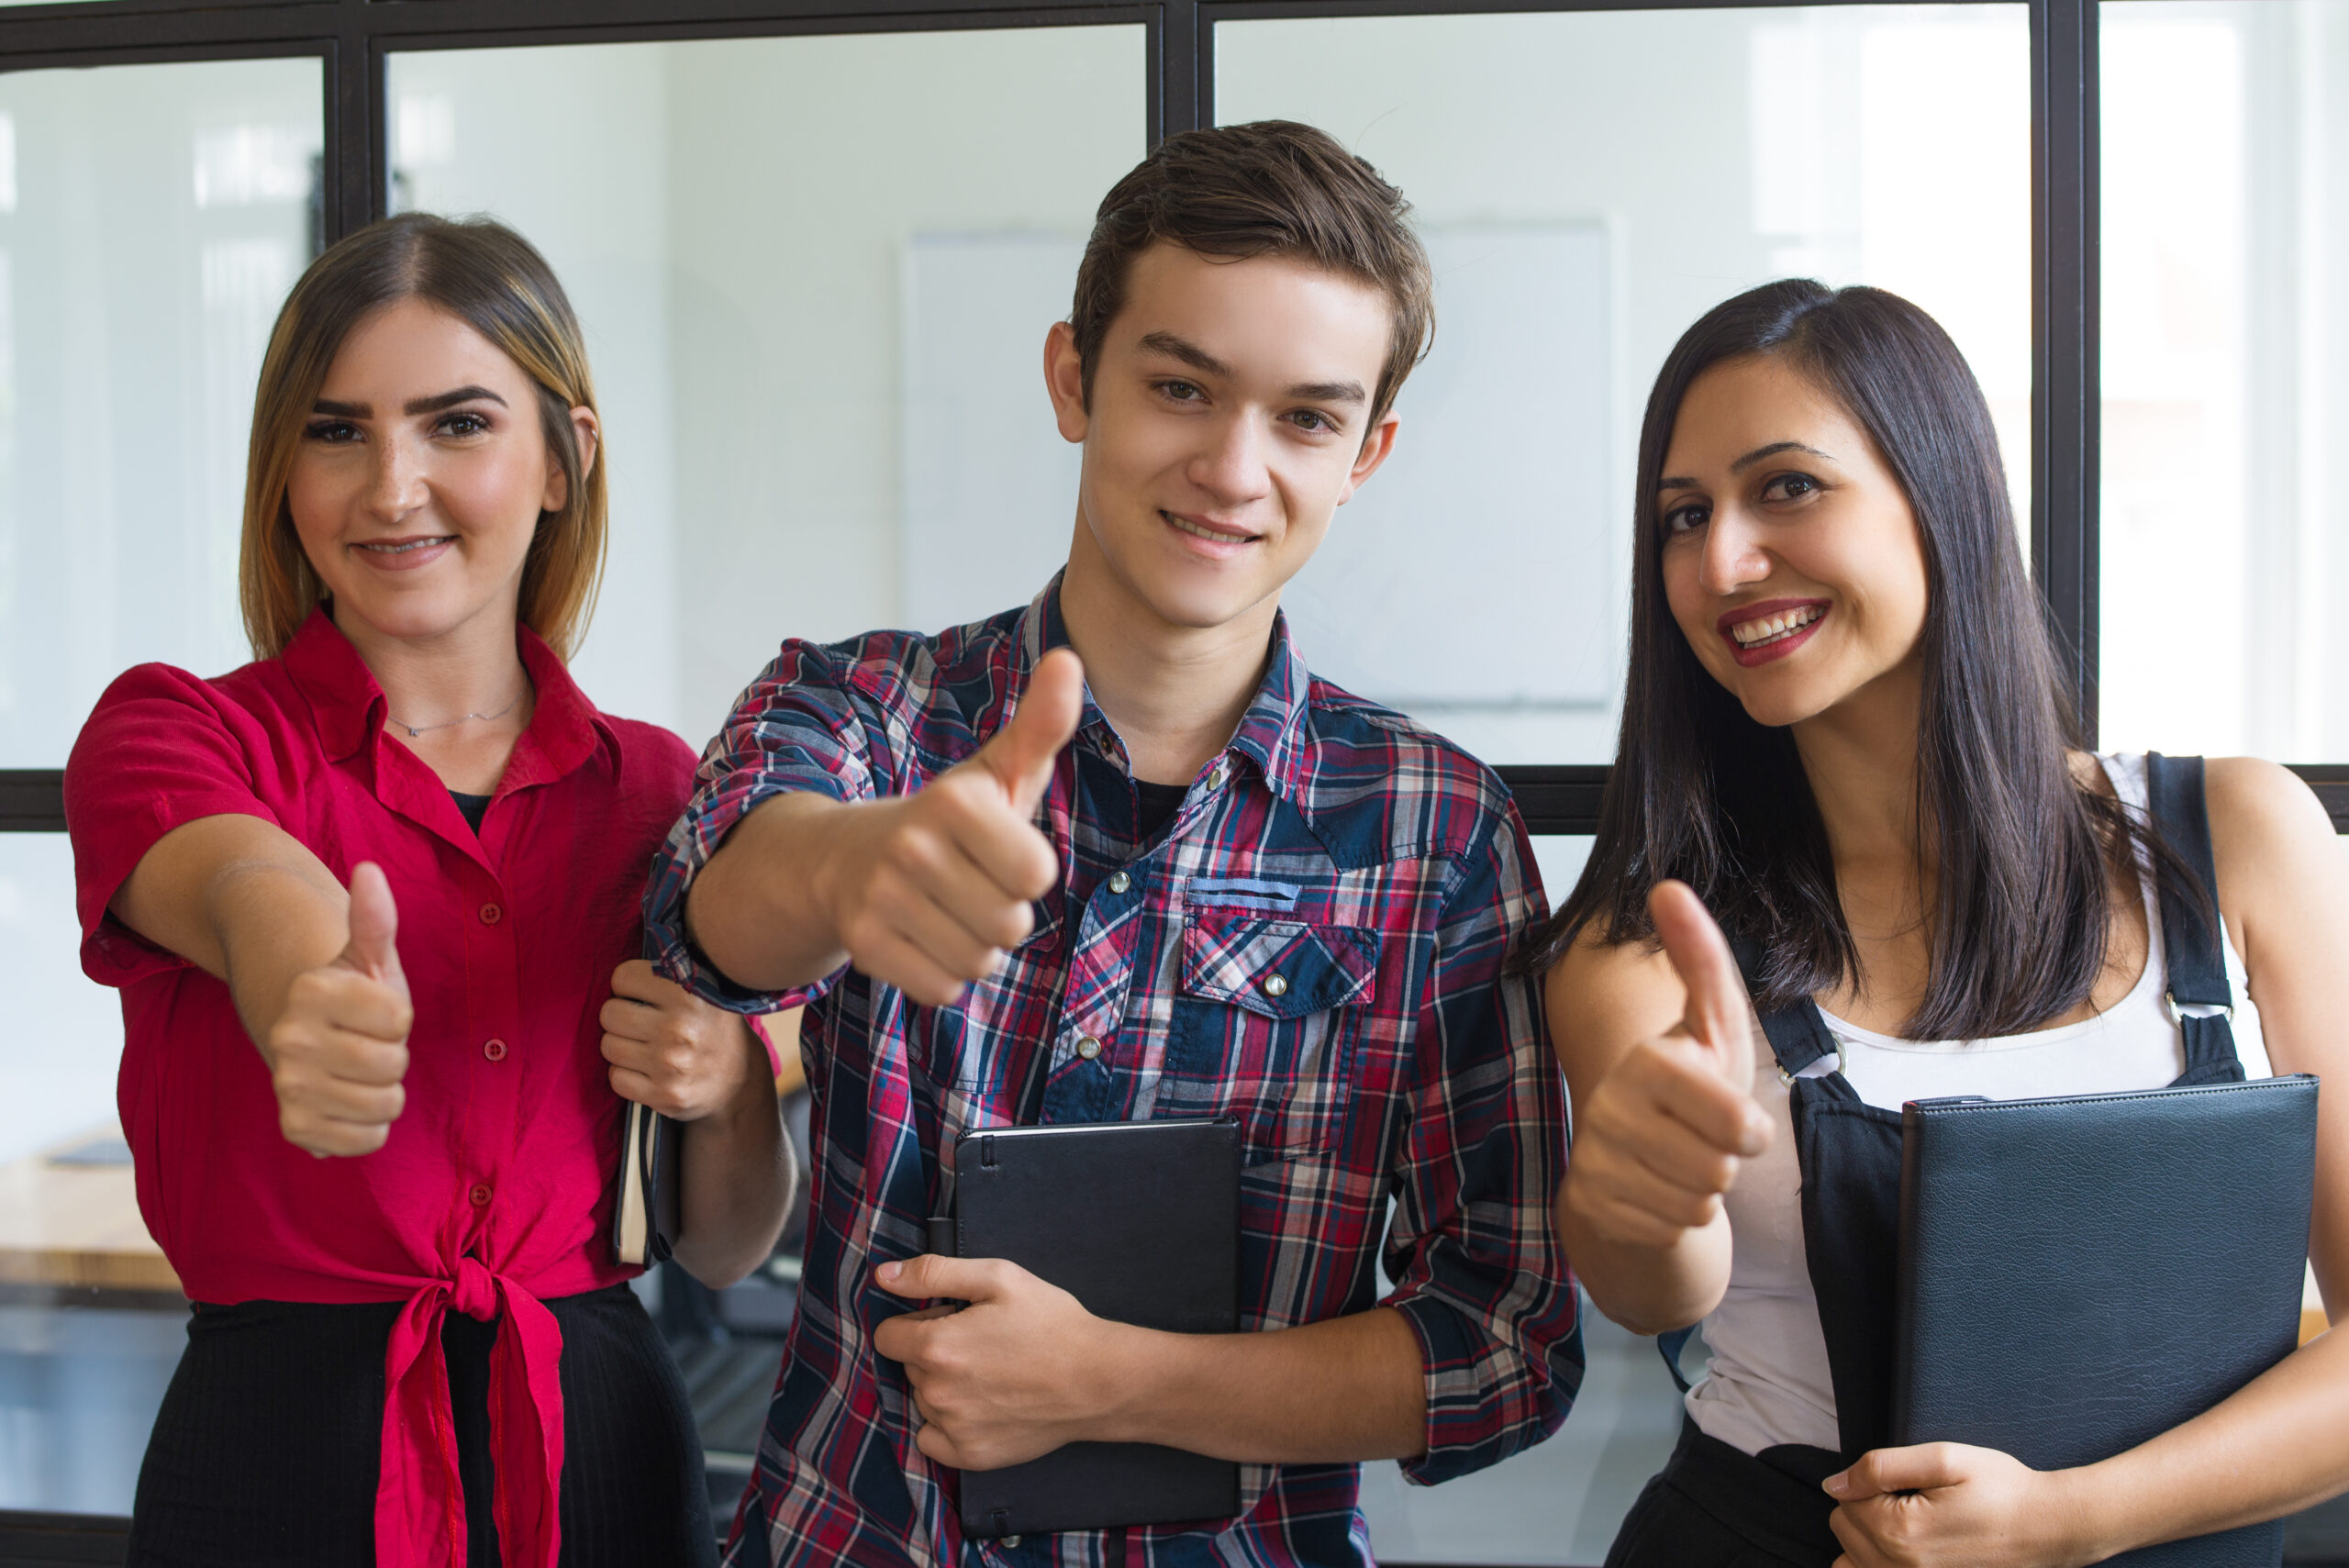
(1140, 1221)
(2079, 1274)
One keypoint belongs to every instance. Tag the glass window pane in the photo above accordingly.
(1589, 184)
(1576, 234)
(91, 1322)
(151, 219)
(2223, 333)
(816, 275)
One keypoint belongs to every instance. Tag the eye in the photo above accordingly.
(331, 432)
(464, 422)
(1180, 391)
(1790, 487)
(1686, 519)
(1316, 422)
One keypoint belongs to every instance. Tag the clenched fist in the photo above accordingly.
(1662, 1136)
(338, 1052)
(927, 892)
(671, 1050)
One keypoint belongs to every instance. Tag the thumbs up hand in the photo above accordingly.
(927, 892)
(1663, 1134)
(338, 1049)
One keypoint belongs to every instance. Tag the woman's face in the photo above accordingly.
(420, 476)
(1791, 559)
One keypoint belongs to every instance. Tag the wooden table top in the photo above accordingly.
(77, 1223)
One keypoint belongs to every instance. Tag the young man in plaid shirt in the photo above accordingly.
(1183, 878)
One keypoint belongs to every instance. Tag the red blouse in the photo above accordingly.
(495, 1187)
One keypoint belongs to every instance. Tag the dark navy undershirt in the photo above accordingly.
(473, 805)
(1158, 803)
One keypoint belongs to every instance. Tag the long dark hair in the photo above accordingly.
(1701, 792)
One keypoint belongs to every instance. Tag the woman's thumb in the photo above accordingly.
(375, 924)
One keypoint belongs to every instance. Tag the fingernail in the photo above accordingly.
(1838, 1484)
(889, 1272)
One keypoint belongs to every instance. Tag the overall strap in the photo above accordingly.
(1798, 1038)
(1798, 1035)
(2190, 943)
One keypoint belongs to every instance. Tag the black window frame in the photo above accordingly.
(354, 39)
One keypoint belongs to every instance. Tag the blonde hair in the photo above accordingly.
(493, 280)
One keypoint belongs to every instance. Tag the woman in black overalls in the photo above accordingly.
(1844, 729)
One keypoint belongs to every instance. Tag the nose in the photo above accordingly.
(1229, 464)
(1734, 557)
(399, 483)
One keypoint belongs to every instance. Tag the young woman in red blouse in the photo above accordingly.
(373, 905)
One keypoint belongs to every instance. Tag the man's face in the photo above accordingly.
(1230, 417)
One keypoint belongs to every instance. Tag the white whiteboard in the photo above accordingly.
(990, 488)
(1475, 573)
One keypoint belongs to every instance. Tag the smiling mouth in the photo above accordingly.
(1202, 531)
(1764, 630)
(402, 546)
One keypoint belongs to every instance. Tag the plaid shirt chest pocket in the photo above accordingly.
(1263, 1027)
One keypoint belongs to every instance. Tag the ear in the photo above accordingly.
(1064, 380)
(1375, 447)
(588, 432)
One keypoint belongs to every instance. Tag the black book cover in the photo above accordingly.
(646, 1209)
(2079, 1274)
(1141, 1222)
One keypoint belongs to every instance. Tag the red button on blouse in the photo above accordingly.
(511, 936)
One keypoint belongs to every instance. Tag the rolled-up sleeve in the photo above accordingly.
(796, 728)
(1479, 1274)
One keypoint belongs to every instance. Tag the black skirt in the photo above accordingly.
(266, 1448)
(1712, 1506)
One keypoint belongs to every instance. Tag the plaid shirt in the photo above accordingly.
(1381, 871)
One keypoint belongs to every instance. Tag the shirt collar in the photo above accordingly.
(350, 708)
(1272, 733)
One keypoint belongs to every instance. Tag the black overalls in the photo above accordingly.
(1713, 1506)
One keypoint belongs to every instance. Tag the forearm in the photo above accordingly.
(242, 900)
(752, 910)
(2276, 1447)
(1649, 1290)
(274, 923)
(1351, 1388)
(737, 1172)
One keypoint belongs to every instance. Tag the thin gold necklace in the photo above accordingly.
(415, 730)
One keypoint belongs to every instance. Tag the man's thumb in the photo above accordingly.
(375, 924)
(1021, 754)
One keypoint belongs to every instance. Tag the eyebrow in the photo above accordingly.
(1200, 359)
(1674, 481)
(432, 405)
(1190, 354)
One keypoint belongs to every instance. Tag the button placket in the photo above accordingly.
(488, 1011)
(1093, 999)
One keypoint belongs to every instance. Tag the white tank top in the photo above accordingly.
(1766, 1380)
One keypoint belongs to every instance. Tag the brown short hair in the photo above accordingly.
(1271, 188)
(493, 280)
